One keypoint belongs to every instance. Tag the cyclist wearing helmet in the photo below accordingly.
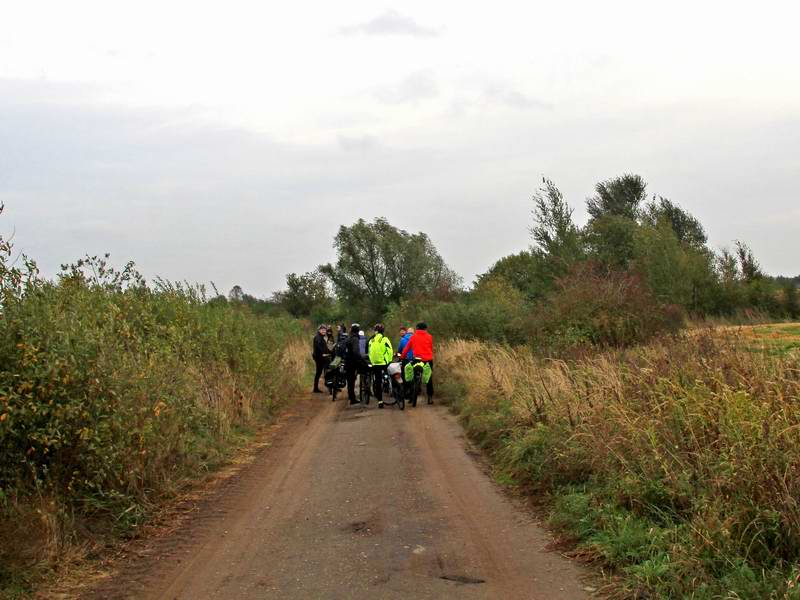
(380, 355)
(420, 346)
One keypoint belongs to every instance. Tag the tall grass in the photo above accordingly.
(676, 463)
(113, 392)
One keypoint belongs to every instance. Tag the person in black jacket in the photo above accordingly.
(353, 361)
(321, 356)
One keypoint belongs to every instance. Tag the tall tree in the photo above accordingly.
(614, 211)
(748, 265)
(304, 294)
(619, 197)
(236, 294)
(554, 233)
(378, 264)
(686, 227)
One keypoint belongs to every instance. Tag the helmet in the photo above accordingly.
(355, 326)
(422, 325)
(379, 327)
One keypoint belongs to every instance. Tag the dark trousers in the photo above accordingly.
(377, 374)
(320, 363)
(352, 372)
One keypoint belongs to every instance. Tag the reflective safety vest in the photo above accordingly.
(380, 350)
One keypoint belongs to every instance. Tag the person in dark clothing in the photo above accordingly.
(321, 356)
(353, 362)
(341, 341)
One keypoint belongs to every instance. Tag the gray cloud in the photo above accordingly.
(418, 86)
(191, 201)
(360, 143)
(390, 23)
(494, 93)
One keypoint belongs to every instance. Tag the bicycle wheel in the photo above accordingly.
(401, 402)
(388, 393)
(417, 385)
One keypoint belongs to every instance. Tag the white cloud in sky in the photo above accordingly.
(228, 142)
(390, 23)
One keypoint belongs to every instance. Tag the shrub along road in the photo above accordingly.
(352, 502)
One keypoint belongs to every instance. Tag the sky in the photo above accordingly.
(227, 142)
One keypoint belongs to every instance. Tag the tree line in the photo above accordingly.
(640, 264)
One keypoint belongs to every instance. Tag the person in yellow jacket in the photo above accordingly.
(380, 355)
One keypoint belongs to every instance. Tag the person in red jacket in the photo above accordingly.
(421, 347)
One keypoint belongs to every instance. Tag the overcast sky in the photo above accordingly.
(227, 141)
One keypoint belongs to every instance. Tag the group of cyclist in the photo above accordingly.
(363, 356)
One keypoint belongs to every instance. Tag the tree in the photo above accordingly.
(305, 294)
(790, 302)
(748, 265)
(236, 294)
(675, 272)
(554, 233)
(687, 228)
(614, 211)
(524, 271)
(378, 264)
(619, 197)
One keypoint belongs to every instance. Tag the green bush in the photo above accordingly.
(594, 305)
(112, 391)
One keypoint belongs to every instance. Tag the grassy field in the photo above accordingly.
(780, 339)
(675, 465)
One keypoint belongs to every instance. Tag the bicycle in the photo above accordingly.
(418, 367)
(337, 382)
(393, 393)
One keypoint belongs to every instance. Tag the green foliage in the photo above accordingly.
(687, 229)
(378, 264)
(676, 272)
(595, 305)
(557, 239)
(492, 312)
(619, 197)
(306, 295)
(791, 305)
(525, 271)
(111, 391)
(610, 239)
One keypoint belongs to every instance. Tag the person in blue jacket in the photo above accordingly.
(402, 345)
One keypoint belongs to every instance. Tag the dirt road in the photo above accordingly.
(352, 502)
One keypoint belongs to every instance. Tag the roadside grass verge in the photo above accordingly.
(113, 395)
(675, 464)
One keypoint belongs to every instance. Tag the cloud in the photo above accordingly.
(361, 144)
(390, 23)
(494, 93)
(417, 86)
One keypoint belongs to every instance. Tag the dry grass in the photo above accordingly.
(677, 462)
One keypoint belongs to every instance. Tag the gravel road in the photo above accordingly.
(353, 502)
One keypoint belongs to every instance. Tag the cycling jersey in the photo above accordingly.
(421, 344)
(380, 350)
